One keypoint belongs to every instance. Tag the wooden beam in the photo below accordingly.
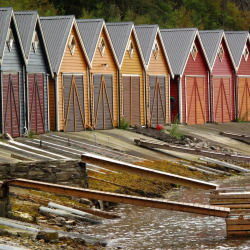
(146, 172)
(121, 198)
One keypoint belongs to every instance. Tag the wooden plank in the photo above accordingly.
(142, 171)
(238, 233)
(120, 198)
(238, 221)
(238, 227)
(229, 201)
(241, 206)
(245, 195)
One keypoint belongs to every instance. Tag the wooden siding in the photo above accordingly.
(111, 68)
(52, 119)
(197, 67)
(158, 66)
(13, 62)
(224, 68)
(244, 98)
(244, 68)
(133, 66)
(174, 93)
(75, 63)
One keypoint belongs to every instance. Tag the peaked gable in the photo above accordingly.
(237, 41)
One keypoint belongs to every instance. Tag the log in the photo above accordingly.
(66, 214)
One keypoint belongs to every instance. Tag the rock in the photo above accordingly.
(3, 232)
(85, 201)
(70, 223)
(47, 236)
(195, 139)
(205, 145)
(200, 145)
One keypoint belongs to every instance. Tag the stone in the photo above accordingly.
(47, 236)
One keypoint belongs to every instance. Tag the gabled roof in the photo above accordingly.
(147, 36)
(237, 41)
(178, 44)
(56, 31)
(90, 30)
(120, 34)
(26, 22)
(211, 40)
(6, 14)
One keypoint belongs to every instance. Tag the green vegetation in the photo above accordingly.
(31, 134)
(124, 124)
(243, 118)
(175, 129)
(205, 14)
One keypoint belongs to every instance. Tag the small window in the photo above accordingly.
(72, 44)
(130, 48)
(10, 39)
(102, 46)
(246, 53)
(35, 41)
(156, 50)
(194, 52)
(221, 53)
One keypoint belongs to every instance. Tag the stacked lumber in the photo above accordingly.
(238, 226)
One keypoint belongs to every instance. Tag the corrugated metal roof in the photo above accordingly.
(211, 40)
(119, 34)
(90, 30)
(146, 35)
(26, 22)
(5, 17)
(178, 44)
(237, 41)
(56, 31)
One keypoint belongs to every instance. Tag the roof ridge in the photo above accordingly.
(57, 17)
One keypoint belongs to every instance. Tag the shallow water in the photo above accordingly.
(148, 228)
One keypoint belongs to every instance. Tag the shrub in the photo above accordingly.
(124, 124)
(174, 129)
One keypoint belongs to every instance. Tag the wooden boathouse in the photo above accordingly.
(239, 44)
(157, 74)
(103, 73)
(221, 75)
(189, 90)
(68, 92)
(131, 72)
(12, 64)
(38, 70)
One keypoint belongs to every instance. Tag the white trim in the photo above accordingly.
(130, 75)
(185, 80)
(165, 75)
(221, 76)
(245, 76)
(180, 100)
(169, 95)
(209, 95)
(69, 73)
(195, 76)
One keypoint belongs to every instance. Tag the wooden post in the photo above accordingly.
(4, 200)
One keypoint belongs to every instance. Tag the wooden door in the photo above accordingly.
(73, 98)
(195, 91)
(36, 103)
(221, 99)
(131, 99)
(244, 98)
(103, 101)
(157, 100)
(11, 102)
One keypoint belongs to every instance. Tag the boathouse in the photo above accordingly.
(157, 74)
(131, 72)
(189, 90)
(12, 64)
(239, 44)
(38, 70)
(221, 75)
(103, 73)
(68, 93)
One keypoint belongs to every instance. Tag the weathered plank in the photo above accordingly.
(121, 198)
(143, 171)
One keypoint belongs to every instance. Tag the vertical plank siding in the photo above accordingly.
(223, 69)
(174, 104)
(36, 103)
(105, 65)
(52, 118)
(75, 63)
(197, 67)
(133, 66)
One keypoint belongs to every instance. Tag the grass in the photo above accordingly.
(124, 124)
(175, 129)
(31, 134)
(243, 118)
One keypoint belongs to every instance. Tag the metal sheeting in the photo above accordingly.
(103, 101)
(56, 31)
(236, 41)
(178, 43)
(26, 21)
(146, 35)
(36, 103)
(221, 99)
(211, 40)
(5, 17)
(119, 34)
(73, 97)
(11, 107)
(157, 100)
(195, 87)
(131, 99)
(90, 30)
